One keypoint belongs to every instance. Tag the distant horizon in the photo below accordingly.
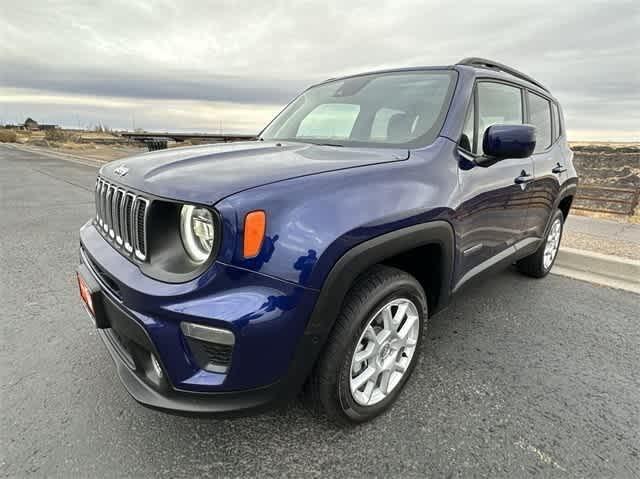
(194, 131)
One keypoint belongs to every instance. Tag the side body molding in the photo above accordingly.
(358, 259)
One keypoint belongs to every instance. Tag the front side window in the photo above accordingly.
(540, 117)
(497, 104)
(396, 109)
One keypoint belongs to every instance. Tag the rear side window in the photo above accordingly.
(540, 117)
(497, 104)
(557, 131)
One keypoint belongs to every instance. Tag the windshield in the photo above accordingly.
(398, 109)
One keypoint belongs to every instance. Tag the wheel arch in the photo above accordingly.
(563, 202)
(378, 250)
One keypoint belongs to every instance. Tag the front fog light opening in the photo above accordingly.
(210, 347)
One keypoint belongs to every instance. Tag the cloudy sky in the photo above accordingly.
(222, 65)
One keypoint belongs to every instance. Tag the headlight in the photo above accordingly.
(197, 232)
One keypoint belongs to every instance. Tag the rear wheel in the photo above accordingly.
(373, 347)
(538, 264)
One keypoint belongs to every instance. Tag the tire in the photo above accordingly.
(381, 293)
(536, 265)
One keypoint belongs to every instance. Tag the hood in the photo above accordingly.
(205, 174)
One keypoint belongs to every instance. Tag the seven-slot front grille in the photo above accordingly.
(122, 217)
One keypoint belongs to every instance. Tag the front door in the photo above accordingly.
(493, 206)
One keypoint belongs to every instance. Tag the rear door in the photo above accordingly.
(491, 215)
(548, 163)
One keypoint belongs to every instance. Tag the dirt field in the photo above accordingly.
(95, 145)
(610, 179)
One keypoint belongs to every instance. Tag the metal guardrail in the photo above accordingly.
(222, 138)
(607, 199)
(159, 141)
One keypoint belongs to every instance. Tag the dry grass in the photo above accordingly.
(55, 135)
(8, 136)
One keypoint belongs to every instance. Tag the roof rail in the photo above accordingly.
(484, 63)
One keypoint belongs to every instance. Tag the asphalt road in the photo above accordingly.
(519, 377)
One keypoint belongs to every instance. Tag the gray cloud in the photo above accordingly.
(167, 84)
(262, 53)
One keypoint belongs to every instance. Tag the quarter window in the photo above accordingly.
(497, 104)
(467, 137)
(540, 117)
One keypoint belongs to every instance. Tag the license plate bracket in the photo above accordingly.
(91, 296)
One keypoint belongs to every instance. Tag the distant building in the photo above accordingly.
(30, 124)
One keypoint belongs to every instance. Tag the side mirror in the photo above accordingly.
(507, 141)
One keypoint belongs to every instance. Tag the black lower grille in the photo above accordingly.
(123, 346)
(211, 356)
(218, 353)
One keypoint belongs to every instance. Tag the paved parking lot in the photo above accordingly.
(519, 377)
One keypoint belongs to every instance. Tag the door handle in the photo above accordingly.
(558, 169)
(523, 178)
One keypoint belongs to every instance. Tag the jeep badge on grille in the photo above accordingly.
(121, 170)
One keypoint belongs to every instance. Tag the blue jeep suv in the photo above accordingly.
(228, 278)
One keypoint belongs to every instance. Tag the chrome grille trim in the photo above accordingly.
(109, 209)
(97, 200)
(121, 217)
(139, 244)
(120, 195)
(117, 210)
(103, 203)
(128, 235)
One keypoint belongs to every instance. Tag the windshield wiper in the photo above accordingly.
(329, 144)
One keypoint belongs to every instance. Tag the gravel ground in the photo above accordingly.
(617, 238)
(518, 377)
(625, 249)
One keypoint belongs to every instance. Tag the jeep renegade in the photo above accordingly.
(227, 278)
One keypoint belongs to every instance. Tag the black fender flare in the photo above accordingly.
(568, 189)
(364, 255)
(342, 275)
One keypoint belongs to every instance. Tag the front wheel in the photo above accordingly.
(538, 264)
(372, 348)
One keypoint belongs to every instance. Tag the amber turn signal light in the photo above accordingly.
(254, 228)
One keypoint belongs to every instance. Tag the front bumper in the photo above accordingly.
(272, 355)
(136, 373)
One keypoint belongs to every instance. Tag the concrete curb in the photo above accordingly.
(613, 271)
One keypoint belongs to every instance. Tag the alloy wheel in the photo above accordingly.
(553, 243)
(384, 351)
